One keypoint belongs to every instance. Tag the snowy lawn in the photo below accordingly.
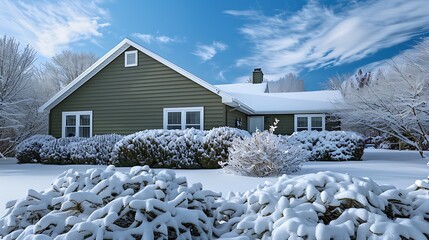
(400, 168)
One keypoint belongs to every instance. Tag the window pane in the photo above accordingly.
(316, 122)
(170, 127)
(84, 132)
(192, 117)
(71, 120)
(70, 131)
(84, 120)
(316, 129)
(174, 118)
(302, 122)
(301, 129)
(131, 58)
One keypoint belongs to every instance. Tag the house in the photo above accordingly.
(131, 89)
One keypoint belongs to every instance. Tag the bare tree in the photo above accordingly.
(15, 74)
(394, 103)
(64, 68)
(288, 83)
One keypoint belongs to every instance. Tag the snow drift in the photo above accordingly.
(144, 204)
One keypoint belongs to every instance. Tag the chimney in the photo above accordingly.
(257, 76)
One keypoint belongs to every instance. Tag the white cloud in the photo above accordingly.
(148, 38)
(416, 54)
(52, 26)
(317, 36)
(222, 74)
(207, 52)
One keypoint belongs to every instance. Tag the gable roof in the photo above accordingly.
(118, 50)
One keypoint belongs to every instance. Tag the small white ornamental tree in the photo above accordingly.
(264, 154)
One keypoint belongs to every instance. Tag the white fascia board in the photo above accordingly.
(232, 102)
(85, 76)
(319, 111)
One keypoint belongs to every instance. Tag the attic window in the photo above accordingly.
(131, 58)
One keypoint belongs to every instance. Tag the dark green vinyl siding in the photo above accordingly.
(285, 125)
(232, 115)
(129, 99)
(332, 124)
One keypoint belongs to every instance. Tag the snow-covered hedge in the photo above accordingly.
(160, 148)
(327, 205)
(75, 150)
(189, 148)
(28, 150)
(58, 151)
(329, 145)
(264, 154)
(94, 150)
(143, 204)
(108, 204)
(216, 143)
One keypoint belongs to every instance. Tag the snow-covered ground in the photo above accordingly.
(399, 168)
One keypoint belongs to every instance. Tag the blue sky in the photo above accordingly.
(222, 41)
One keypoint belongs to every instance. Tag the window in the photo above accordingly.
(310, 122)
(255, 123)
(182, 118)
(77, 124)
(131, 58)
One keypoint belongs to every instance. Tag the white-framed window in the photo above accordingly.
(182, 118)
(77, 124)
(131, 58)
(255, 123)
(310, 122)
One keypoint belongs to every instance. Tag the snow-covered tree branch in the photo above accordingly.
(64, 68)
(15, 74)
(394, 102)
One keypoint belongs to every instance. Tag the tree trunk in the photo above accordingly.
(422, 154)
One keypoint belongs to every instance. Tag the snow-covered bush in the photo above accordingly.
(327, 205)
(94, 150)
(28, 150)
(108, 204)
(143, 204)
(59, 151)
(264, 154)
(216, 143)
(75, 150)
(160, 148)
(329, 145)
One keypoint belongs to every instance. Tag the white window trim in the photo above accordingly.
(126, 58)
(183, 111)
(77, 114)
(309, 116)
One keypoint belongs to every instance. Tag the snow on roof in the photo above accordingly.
(290, 102)
(243, 88)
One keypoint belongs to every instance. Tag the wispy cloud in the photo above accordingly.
(148, 38)
(207, 52)
(416, 54)
(52, 26)
(317, 36)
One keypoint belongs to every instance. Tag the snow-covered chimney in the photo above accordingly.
(257, 76)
